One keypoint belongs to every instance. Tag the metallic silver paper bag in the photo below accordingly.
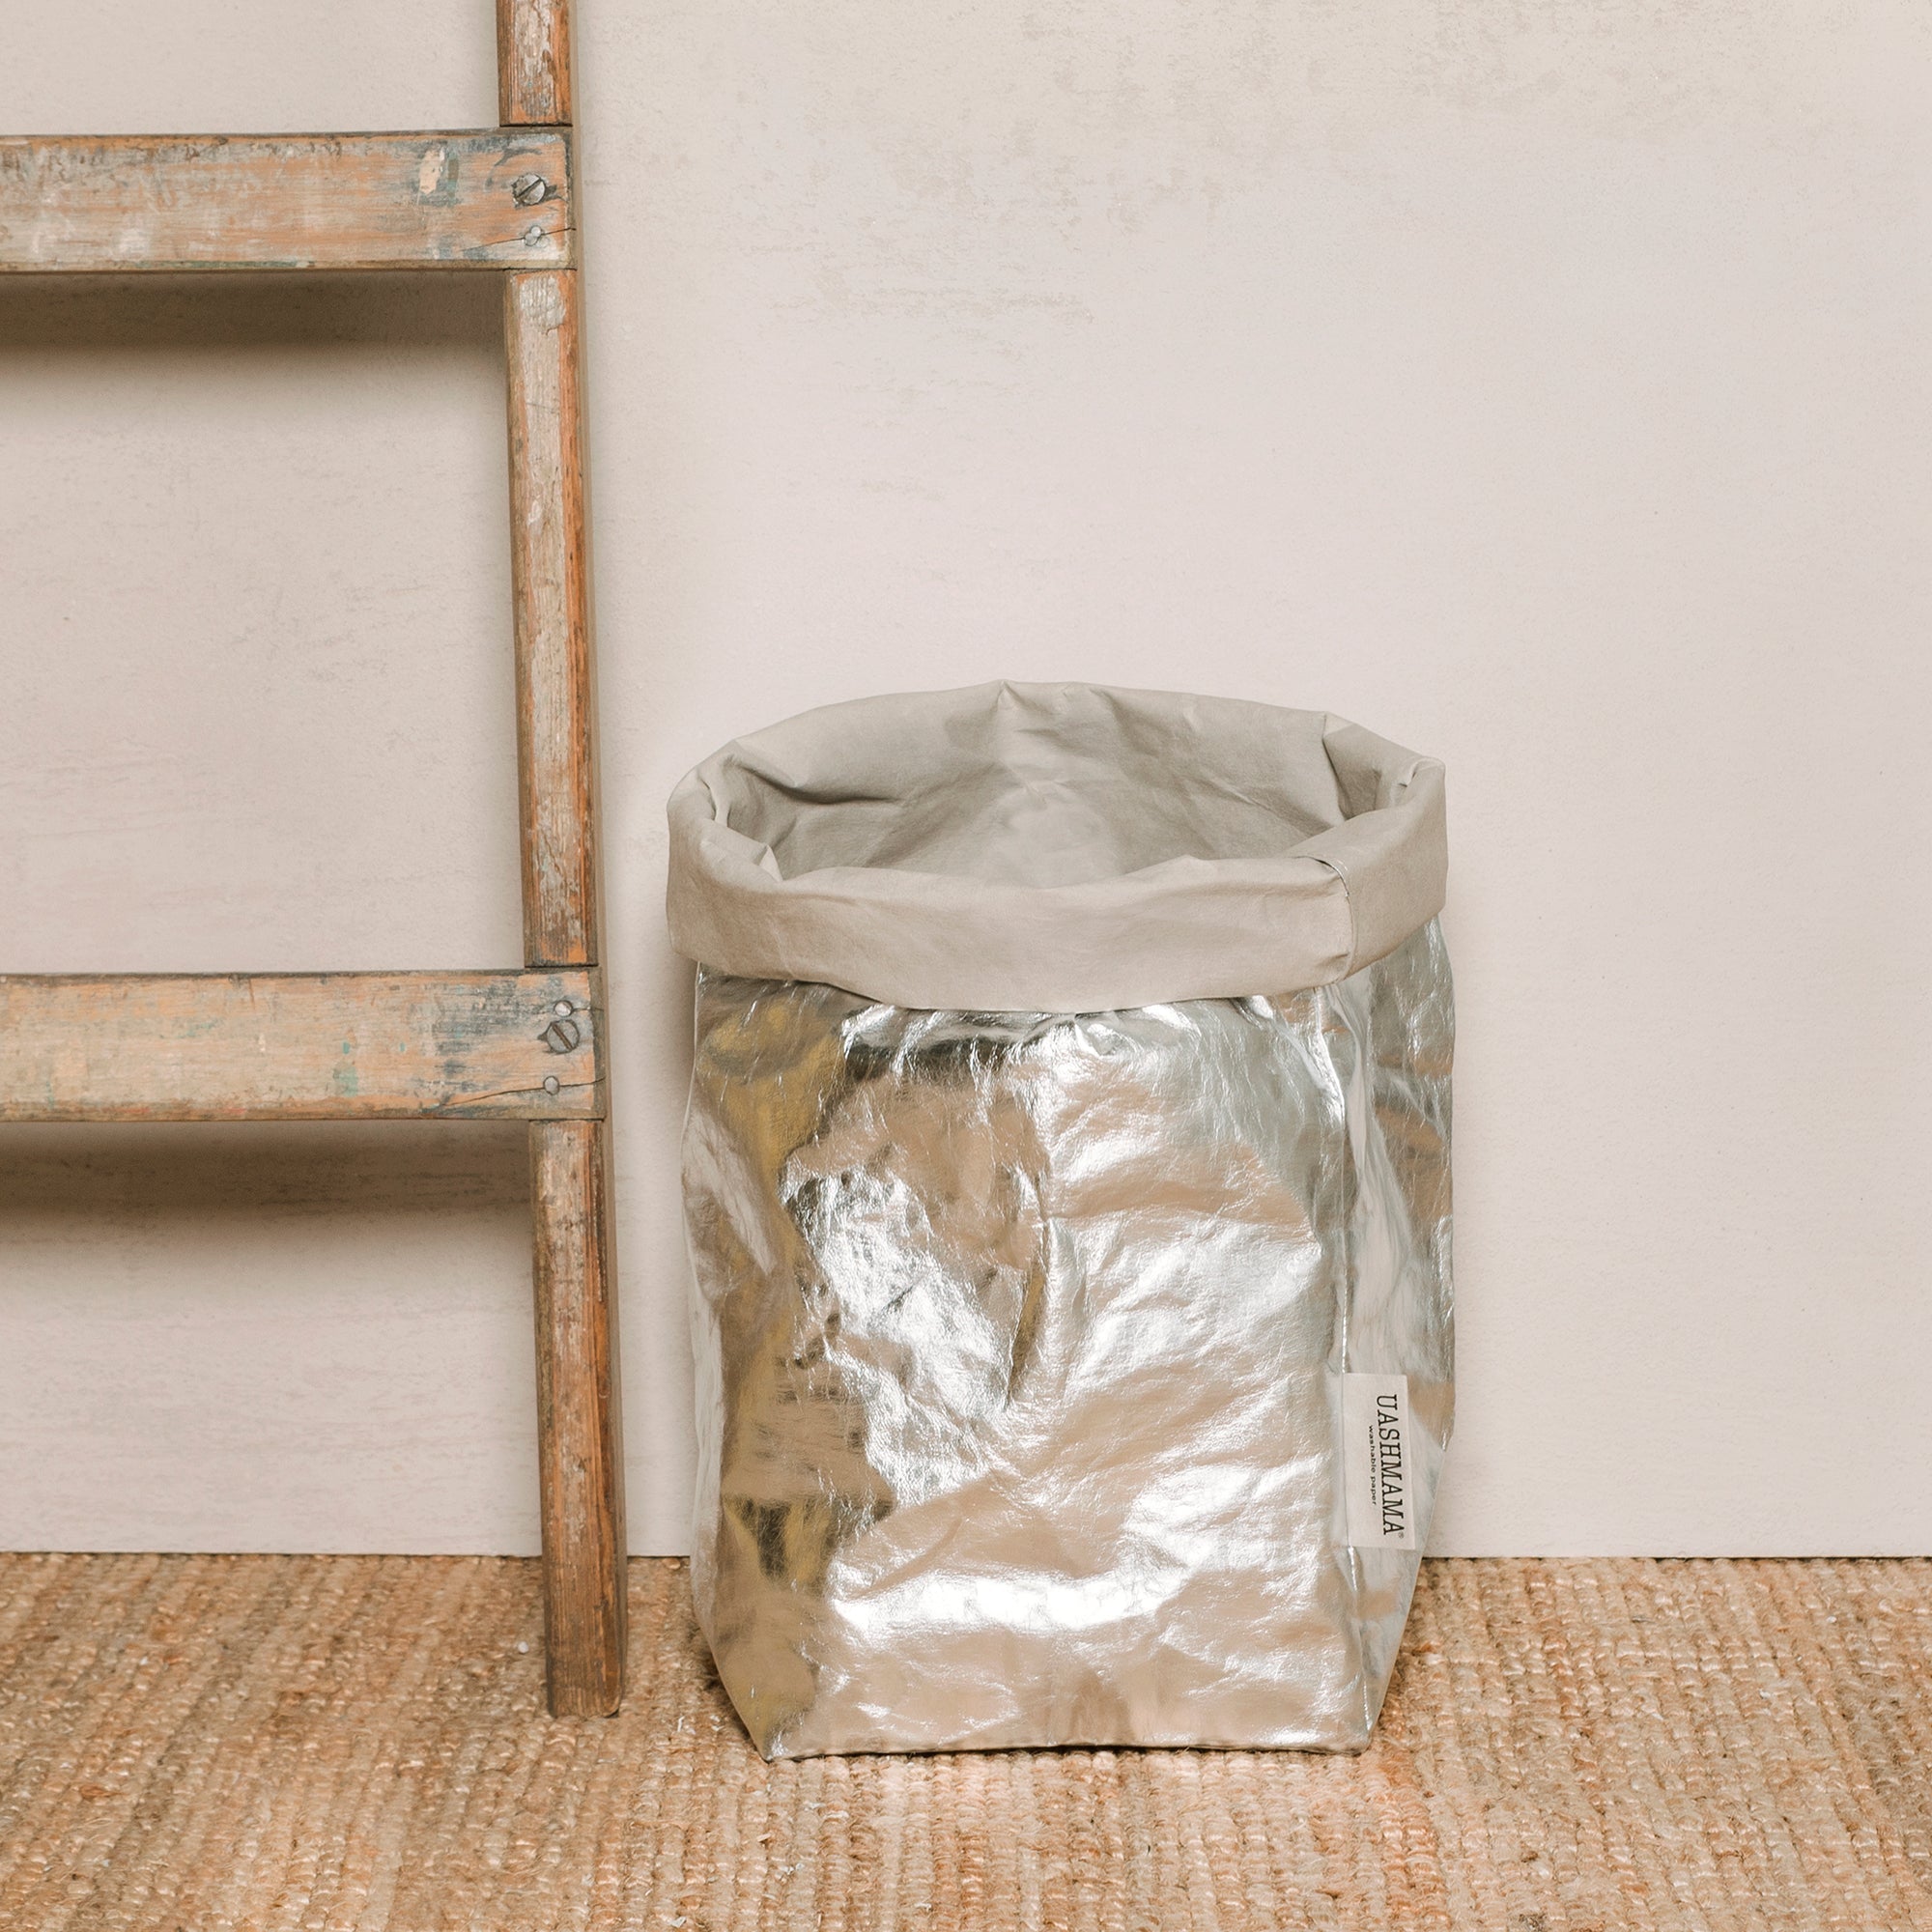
(1067, 1378)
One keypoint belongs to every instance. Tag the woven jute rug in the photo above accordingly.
(324, 1743)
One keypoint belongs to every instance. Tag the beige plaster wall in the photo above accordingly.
(1545, 388)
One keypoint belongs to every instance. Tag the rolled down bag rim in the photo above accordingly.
(1328, 900)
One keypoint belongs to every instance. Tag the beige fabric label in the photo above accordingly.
(1378, 1463)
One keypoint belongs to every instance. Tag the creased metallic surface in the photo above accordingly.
(1019, 1344)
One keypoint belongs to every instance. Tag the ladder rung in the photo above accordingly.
(499, 198)
(302, 1046)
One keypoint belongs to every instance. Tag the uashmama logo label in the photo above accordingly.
(1379, 1467)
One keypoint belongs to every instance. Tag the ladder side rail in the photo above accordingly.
(579, 1425)
(533, 68)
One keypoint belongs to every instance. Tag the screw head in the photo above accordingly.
(565, 1008)
(527, 191)
(551, 1084)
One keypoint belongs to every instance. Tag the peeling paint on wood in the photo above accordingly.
(324, 201)
(533, 61)
(580, 1432)
(548, 574)
(298, 1046)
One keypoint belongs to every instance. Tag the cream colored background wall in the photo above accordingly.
(1545, 388)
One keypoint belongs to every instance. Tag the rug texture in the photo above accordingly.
(324, 1743)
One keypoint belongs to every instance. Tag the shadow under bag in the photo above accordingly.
(1066, 1181)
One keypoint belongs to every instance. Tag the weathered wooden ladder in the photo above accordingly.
(462, 1045)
